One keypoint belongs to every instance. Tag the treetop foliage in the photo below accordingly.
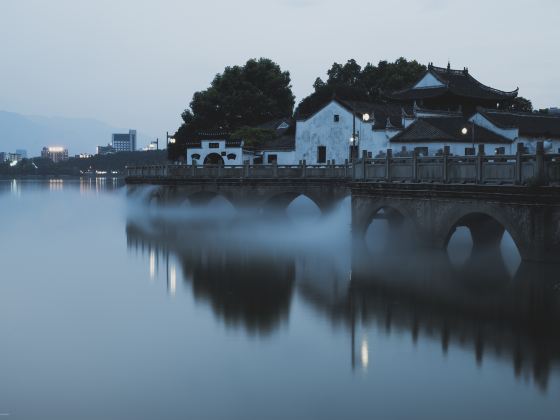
(253, 135)
(352, 82)
(251, 94)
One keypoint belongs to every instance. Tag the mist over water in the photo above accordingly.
(115, 305)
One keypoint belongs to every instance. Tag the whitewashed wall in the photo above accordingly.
(205, 150)
(321, 130)
(287, 157)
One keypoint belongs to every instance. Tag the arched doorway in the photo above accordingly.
(214, 159)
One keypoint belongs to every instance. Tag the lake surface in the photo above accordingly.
(115, 308)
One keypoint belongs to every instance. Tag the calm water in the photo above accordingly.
(111, 308)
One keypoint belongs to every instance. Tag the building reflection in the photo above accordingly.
(243, 290)
(478, 306)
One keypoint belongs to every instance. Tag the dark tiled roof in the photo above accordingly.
(281, 143)
(458, 82)
(284, 137)
(446, 130)
(275, 124)
(213, 134)
(380, 114)
(529, 124)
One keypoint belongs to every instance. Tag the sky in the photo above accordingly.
(136, 63)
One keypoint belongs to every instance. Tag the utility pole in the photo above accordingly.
(472, 134)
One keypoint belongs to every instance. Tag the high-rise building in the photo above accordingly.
(22, 153)
(55, 153)
(125, 142)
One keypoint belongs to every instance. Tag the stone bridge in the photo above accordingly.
(266, 194)
(433, 212)
(435, 195)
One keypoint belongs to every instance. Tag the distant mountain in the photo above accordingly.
(79, 135)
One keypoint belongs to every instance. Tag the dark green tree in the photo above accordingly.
(241, 96)
(352, 82)
(522, 104)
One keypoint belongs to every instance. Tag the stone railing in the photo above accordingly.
(536, 169)
(250, 171)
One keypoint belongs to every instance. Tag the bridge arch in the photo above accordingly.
(389, 227)
(366, 210)
(489, 230)
(205, 197)
(282, 200)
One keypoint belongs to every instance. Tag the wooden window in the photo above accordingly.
(321, 154)
(336, 118)
(195, 156)
(214, 145)
(272, 158)
(231, 156)
(258, 160)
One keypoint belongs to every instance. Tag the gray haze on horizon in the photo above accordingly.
(136, 63)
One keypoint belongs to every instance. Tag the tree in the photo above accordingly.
(352, 82)
(241, 96)
(522, 104)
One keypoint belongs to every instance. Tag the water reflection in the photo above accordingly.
(242, 289)
(85, 185)
(478, 307)
(249, 276)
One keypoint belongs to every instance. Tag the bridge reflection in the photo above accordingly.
(478, 306)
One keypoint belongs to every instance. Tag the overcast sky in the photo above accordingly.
(136, 63)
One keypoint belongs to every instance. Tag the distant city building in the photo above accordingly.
(84, 156)
(554, 110)
(14, 157)
(55, 153)
(125, 142)
(105, 150)
(22, 153)
(152, 146)
(11, 157)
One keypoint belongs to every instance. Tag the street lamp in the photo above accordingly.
(170, 139)
(355, 135)
(465, 131)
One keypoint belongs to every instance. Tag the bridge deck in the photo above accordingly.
(531, 170)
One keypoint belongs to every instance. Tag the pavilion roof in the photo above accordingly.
(456, 82)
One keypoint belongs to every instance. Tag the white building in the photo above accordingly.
(519, 127)
(124, 142)
(218, 147)
(327, 134)
(444, 108)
